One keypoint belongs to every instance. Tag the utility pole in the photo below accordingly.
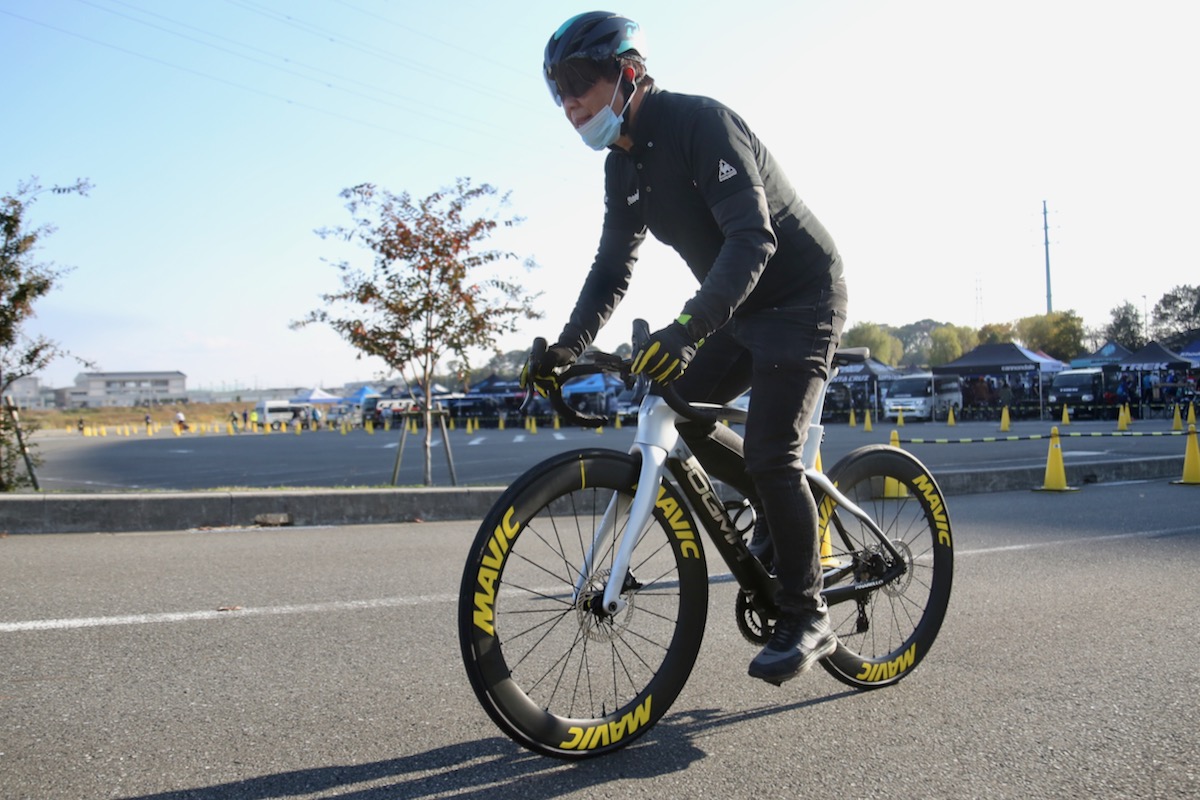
(1046, 234)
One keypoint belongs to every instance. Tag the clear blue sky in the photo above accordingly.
(924, 134)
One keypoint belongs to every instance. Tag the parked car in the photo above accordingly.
(923, 396)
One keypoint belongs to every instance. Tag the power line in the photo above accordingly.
(243, 87)
(366, 48)
(443, 42)
(412, 106)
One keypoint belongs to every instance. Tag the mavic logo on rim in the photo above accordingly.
(725, 171)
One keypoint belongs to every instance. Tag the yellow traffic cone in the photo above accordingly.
(1056, 473)
(892, 488)
(950, 417)
(533, 424)
(617, 422)
(1066, 417)
(817, 464)
(853, 419)
(1005, 421)
(899, 419)
(1123, 418)
(867, 421)
(826, 513)
(1191, 420)
(1191, 460)
(557, 424)
(1177, 424)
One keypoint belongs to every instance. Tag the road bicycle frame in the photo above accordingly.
(659, 446)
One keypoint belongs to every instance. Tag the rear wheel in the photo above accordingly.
(886, 607)
(553, 669)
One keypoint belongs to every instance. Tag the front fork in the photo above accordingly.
(655, 438)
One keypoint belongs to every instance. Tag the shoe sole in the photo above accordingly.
(825, 650)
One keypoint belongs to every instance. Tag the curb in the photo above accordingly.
(173, 511)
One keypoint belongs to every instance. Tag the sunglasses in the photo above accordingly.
(573, 78)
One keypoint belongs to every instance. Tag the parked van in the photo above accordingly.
(278, 414)
(1087, 392)
(923, 396)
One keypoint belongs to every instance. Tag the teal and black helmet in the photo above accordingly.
(597, 36)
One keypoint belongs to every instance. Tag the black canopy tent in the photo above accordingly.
(866, 377)
(1002, 359)
(1154, 358)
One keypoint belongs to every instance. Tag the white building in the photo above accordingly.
(100, 389)
(29, 393)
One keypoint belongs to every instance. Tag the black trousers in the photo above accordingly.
(783, 355)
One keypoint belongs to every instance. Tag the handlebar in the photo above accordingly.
(594, 362)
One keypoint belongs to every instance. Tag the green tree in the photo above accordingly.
(23, 281)
(884, 346)
(1177, 312)
(949, 342)
(917, 340)
(1058, 334)
(1126, 328)
(432, 290)
(996, 333)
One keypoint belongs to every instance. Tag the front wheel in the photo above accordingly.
(553, 668)
(886, 606)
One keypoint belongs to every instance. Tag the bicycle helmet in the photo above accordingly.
(597, 36)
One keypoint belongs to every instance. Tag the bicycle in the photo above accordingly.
(584, 599)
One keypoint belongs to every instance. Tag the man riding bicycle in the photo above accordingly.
(769, 312)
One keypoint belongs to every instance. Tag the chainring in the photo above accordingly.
(750, 622)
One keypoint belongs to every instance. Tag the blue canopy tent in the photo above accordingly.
(1110, 353)
(1191, 352)
(362, 394)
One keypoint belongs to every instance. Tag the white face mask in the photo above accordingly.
(605, 127)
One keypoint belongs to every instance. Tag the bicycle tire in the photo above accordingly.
(883, 635)
(554, 673)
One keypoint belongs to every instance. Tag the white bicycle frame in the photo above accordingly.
(657, 439)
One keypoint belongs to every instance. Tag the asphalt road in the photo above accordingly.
(1067, 667)
(492, 457)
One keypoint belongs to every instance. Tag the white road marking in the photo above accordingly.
(191, 616)
(420, 600)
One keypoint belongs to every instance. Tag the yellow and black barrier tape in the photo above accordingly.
(1039, 436)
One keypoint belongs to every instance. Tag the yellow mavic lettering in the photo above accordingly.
(609, 732)
(674, 515)
(873, 673)
(936, 507)
(489, 571)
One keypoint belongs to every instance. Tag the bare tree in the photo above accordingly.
(432, 291)
(23, 281)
